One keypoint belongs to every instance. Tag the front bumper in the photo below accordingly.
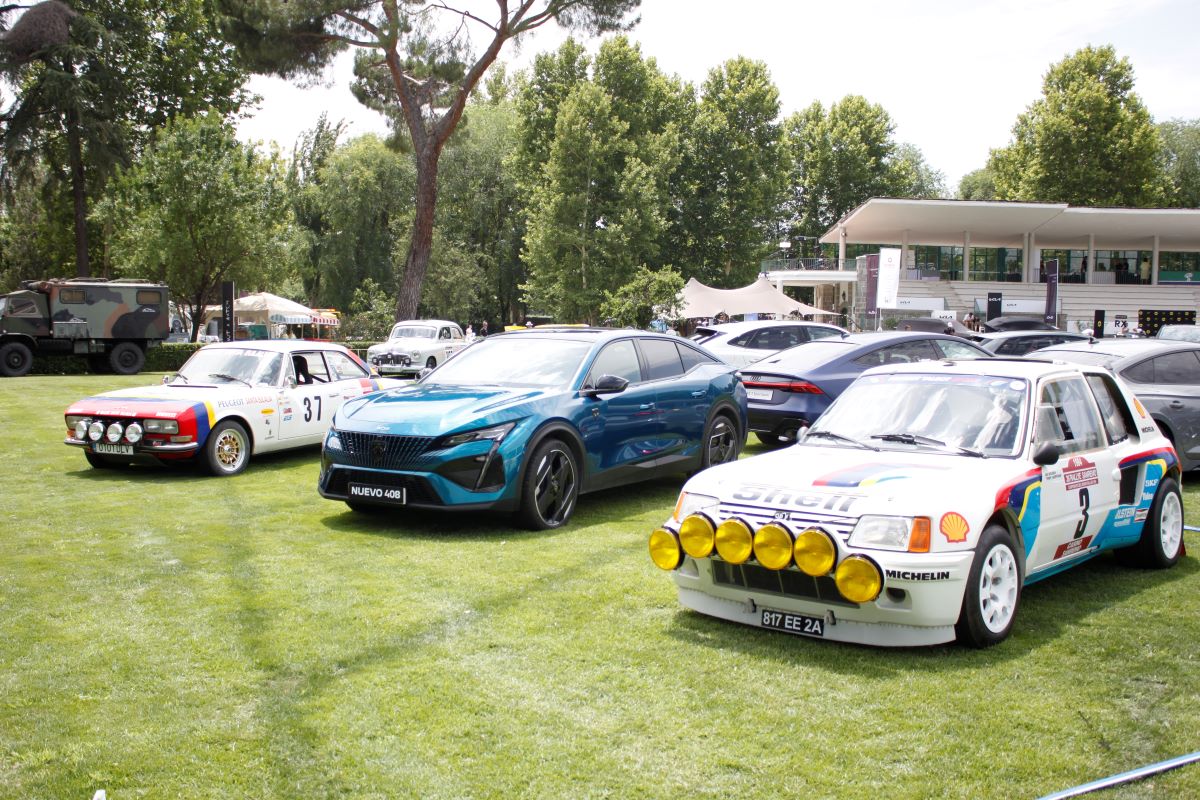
(392, 364)
(146, 447)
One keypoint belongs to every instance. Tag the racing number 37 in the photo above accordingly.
(309, 403)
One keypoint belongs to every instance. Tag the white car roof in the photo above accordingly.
(426, 322)
(276, 345)
(755, 324)
(1030, 369)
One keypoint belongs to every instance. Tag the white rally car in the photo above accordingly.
(415, 345)
(918, 506)
(227, 402)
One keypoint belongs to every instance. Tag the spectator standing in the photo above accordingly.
(483, 331)
(1144, 269)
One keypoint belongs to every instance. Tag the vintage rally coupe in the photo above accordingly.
(527, 421)
(918, 506)
(415, 345)
(227, 402)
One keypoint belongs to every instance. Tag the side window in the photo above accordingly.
(22, 307)
(690, 357)
(823, 333)
(456, 332)
(957, 349)
(444, 333)
(149, 297)
(741, 341)
(310, 364)
(71, 296)
(1118, 422)
(662, 358)
(1067, 416)
(620, 359)
(1177, 368)
(1013, 347)
(344, 367)
(1142, 372)
(908, 351)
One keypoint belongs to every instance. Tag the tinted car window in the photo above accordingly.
(690, 357)
(620, 359)
(1017, 346)
(901, 353)
(1177, 368)
(952, 349)
(822, 333)
(662, 358)
(742, 340)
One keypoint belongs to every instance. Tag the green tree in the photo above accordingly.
(732, 176)
(94, 83)
(306, 189)
(649, 295)
(553, 77)
(978, 184)
(1181, 149)
(421, 53)
(197, 209)
(1087, 141)
(595, 217)
(843, 157)
(915, 177)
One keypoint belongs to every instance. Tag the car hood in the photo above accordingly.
(893, 482)
(432, 409)
(169, 398)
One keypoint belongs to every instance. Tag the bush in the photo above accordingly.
(165, 358)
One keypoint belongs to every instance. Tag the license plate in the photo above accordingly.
(793, 623)
(112, 449)
(378, 494)
(758, 394)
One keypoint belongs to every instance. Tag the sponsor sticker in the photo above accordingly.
(1072, 547)
(954, 527)
(1141, 514)
(1079, 473)
(907, 575)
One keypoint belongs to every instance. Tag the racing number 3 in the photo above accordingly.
(1085, 502)
(308, 410)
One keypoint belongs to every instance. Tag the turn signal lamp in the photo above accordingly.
(858, 579)
(773, 546)
(664, 549)
(815, 552)
(735, 543)
(696, 534)
(918, 539)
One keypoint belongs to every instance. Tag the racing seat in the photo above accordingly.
(303, 376)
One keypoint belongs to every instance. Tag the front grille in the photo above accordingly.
(786, 582)
(383, 451)
(391, 359)
(418, 489)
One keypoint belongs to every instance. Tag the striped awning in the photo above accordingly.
(292, 319)
(321, 319)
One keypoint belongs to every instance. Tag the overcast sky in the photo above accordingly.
(953, 74)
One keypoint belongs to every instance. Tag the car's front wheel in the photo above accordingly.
(227, 451)
(993, 591)
(1161, 544)
(550, 488)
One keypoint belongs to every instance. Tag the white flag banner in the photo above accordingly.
(888, 288)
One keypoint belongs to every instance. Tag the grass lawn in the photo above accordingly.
(165, 634)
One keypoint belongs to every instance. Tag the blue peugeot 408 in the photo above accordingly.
(529, 420)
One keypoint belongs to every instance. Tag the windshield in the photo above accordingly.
(413, 332)
(520, 359)
(974, 414)
(211, 365)
(1182, 333)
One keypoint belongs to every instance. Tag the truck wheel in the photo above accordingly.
(126, 358)
(15, 360)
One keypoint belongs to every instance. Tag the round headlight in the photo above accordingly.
(773, 546)
(81, 429)
(735, 543)
(858, 579)
(696, 534)
(814, 552)
(96, 430)
(664, 549)
(113, 434)
(133, 434)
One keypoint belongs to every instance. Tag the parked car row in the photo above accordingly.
(926, 483)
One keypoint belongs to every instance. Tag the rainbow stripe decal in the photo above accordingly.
(1024, 496)
(871, 474)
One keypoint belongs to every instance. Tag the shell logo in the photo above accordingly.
(954, 527)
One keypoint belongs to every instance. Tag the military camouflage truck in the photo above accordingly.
(109, 322)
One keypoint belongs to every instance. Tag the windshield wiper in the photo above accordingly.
(225, 377)
(916, 438)
(840, 438)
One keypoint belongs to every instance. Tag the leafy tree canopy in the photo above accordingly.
(1181, 150)
(651, 294)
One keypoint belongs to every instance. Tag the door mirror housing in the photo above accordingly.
(607, 384)
(1046, 454)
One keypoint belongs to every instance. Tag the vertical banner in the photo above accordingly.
(1051, 315)
(1098, 324)
(995, 303)
(888, 288)
(227, 311)
(872, 286)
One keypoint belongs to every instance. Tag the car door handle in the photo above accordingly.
(645, 406)
(700, 393)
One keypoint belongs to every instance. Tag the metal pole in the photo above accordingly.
(1125, 777)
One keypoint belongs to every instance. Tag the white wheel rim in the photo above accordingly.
(998, 588)
(230, 450)
(1170, 525)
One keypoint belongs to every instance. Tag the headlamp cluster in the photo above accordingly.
(773, 545)
(86, 429)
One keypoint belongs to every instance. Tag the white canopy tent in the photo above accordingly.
(760, 297)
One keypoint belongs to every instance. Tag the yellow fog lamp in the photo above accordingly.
(858, 579)
(815, 552)
(735, 542)
(697, 535)
(664, 549)
(773, 546)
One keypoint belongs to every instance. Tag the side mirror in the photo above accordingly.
(1046, 454)
(608, 384)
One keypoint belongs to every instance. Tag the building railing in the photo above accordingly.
(781, 264)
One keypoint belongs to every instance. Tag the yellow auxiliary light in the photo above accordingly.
(735, 542)
(696, 534)
(664, 549)
(773, 546)
(858, 579)
(815, 552)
